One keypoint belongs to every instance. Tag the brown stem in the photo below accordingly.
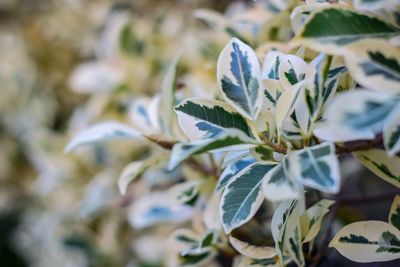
(161, 141)
(276, 147)
(359, 145)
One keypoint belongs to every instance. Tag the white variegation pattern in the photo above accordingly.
(385, 167)
(239, 78)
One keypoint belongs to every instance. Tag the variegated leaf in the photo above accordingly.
(252, 251)
(368, 241)
(199, 118)
(374, 64)
(232, 156)
(242, 196)
(270, 68)
(278, 185)
(300, 13)
(385, 167)
(287, 103)
(193, 250)
(231, 170)
(201, 245)
(273, 91)
(155, 208)
(232, 139)
(291, 71)
(100, 132)
(394, 214)
(184, 193)
(238, 74)
(361, 112)
(391, 132)
(327, 29)
(278, 226)
(311, 219)
(144, 115)
(166, 110)
(292, 236)
(316, 167)
(135, 169)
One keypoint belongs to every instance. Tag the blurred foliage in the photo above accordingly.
(65, 64)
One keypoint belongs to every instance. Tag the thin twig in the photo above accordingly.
(161, 141)
(357, 146)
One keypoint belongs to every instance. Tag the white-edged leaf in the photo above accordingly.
(167, 103)
(312, 218)
(184, 193)
(200, 118)
(189, 247)
(292, 236)
(272, 92)
(103, 131)
(391, 132)
(238, 74)
(316, 167)
(157, 208)
(277, 184)
(231, 170)
(230, 139)
(291, 71)
(278, 226)
(332, 133)
(327, 29)
(300, 13)
(374, 64)
(368, 241)
(252, 251)
(287, 102)
(394, 214)
(135, 169)
(360, 111)
(385, 167)
(270, 68)
(143, 115)
(232, 156)
(242, 196)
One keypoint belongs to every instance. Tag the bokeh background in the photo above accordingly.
(66, 64)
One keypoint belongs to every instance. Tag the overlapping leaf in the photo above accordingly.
(375, 64)
(328, 29)
(391, 132)
(238, 76)
(135, 169)
(316, 167)
(278, 184)
(226, 140)
(199, 118)
(231, 170)
(242, 196)
(394, 214)
(360, 112)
